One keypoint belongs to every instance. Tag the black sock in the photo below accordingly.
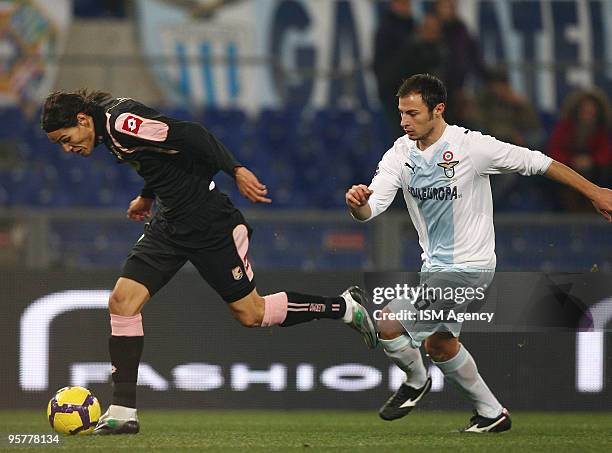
(125, 355)
(304, 307)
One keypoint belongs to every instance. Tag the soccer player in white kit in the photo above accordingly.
(443, 171)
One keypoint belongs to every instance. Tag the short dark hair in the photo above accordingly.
(431, 89)
(61, 108)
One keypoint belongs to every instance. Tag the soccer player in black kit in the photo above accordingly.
(193, 221)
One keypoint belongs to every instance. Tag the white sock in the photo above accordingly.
(122, 412)
(409, 359)
(461, 370)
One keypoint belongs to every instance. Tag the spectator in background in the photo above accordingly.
(464, 56)
(394, 35)
(581, 140)
(427, 53)
(506, 114)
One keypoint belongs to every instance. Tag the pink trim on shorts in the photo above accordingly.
(138, 126)
(241, 240)
(275, 310)
(127, 326)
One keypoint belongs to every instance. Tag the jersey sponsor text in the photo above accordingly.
(434, 193)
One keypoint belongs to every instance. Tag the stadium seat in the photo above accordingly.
(12, 123)
(307, 158)
(179, 113)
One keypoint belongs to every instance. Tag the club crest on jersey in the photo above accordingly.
(449, 168)
(237, 273)
(131, 124)
(449, 164)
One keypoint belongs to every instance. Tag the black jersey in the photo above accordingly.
(177, 160)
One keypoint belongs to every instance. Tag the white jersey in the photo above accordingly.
(448, 195)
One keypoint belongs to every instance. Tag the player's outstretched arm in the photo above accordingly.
(250, 187)
(599, 196)
(140, 209)
(357, 200)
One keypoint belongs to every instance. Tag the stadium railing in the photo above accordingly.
(305, 240)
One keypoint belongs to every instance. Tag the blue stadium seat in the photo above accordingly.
(230, 126)
(278, 126)
(13, 123)
(307, 158)
(178, 113)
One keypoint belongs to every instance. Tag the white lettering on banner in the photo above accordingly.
(545, 83)
(579, 34)
(304, 377)
(198, 376)
(351, 377)
(34, 336)
(298, 44)
(148, 377)
(243, 377)
(590, 350)
(397, 377)
(34, 357)
(85, 373)
(589, 361)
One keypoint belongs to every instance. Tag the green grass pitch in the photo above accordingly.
(329, 431)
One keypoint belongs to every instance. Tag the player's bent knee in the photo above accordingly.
(388, 329)
(441, 348)
(249, 311)
(122, 306)
(119, 304)
(249, 318)
(128, 297)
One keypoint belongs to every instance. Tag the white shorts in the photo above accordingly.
(442, 302)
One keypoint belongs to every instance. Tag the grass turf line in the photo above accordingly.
(330, 431)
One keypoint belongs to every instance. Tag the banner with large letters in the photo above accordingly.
(54, 328)
(32, 33)
(258, 53)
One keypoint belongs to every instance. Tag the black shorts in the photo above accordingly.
(155, 259)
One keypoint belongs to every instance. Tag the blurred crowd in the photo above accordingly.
(483, 98)
(346, 144)
(439, 44)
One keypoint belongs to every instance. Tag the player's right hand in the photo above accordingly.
(602, 201)
(358, 196)
(250, 187)
(140, 209)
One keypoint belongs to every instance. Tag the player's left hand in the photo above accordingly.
(140, 209)
(602, 200)
(250, 187)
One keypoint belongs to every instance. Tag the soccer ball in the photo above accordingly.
(73, 410)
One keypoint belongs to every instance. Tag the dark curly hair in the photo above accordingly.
(571, 105)
(61, 108)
